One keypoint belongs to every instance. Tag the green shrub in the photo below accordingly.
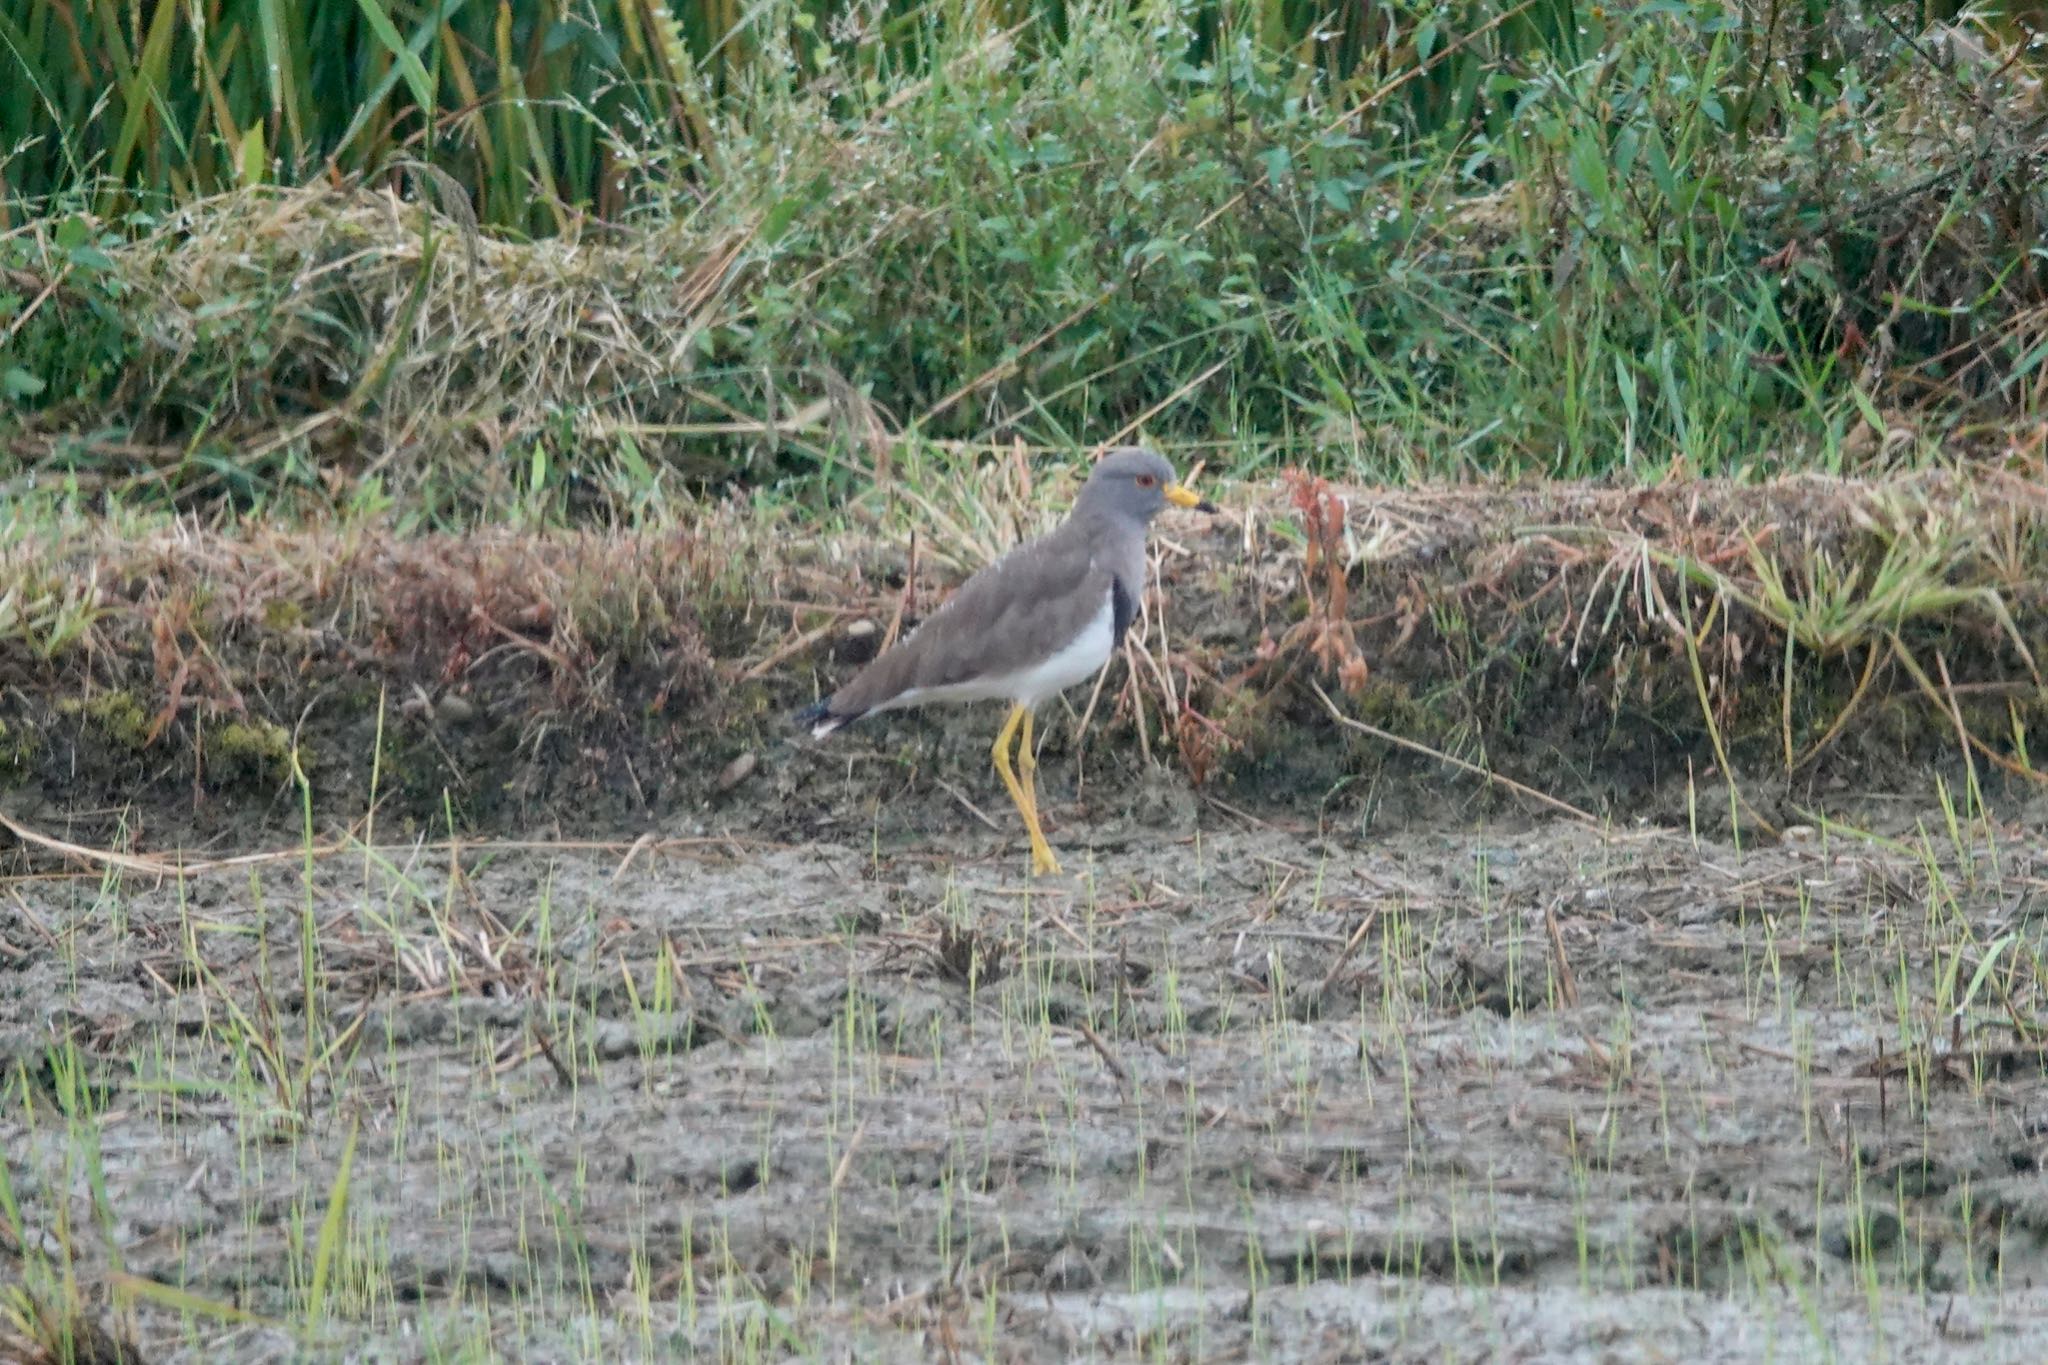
(1410, 240)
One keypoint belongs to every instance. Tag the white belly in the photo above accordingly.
(1077, 662)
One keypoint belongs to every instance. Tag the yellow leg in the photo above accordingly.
(1042, 861)
(1027, 763)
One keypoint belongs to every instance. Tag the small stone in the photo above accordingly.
(861, 629)
(455, 710)
(738, 771)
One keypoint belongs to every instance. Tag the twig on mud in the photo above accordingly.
(1820, 745)
(1955, 715)
(1567, 980)
(793, 646)
(1969, 741)
(727, 841)
(426, 712)
(757, 951)
(1131, 653)
(639, 792)
(1116, 1068)
(1344, 953)
(972, 809)
(846, 1158)
(514, 640)
(158, 867)
(1957, 1063)
(547, 1050)
(1262, 930)
(1737, 802)
(1238, 811)
(1543, 798)
(1088, 714)
(1053, 918)
(31, 918)
(640, 845)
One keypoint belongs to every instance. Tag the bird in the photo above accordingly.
(1043, 617)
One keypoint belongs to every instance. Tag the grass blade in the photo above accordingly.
(332, 1225)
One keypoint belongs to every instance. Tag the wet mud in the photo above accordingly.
(1231, 1088)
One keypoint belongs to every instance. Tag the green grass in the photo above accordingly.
(1547, 238)
(526, 105)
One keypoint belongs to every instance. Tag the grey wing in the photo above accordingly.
(1016, 616)
(1012, 614)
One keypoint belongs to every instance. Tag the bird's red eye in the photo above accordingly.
(1146, 481)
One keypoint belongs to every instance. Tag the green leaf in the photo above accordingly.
(250, 160)
(779, 218)
(126, 1286)
(332, 1225)
(429, 26)
(1983, 971)
(16, 382)
(90, 259)
(408, 61)
(144, 89)
(2028, 363)
(1868, 409)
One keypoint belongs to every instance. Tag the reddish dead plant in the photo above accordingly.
(1327, 628)
(184, 663)
(1201, 741)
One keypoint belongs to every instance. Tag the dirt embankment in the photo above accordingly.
(1619, 651)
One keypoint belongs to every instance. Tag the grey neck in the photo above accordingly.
(1116, 543)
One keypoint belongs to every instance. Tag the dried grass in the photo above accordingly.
(1577, 640)
(385, 337)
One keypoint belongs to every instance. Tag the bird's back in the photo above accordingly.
(1008, 617)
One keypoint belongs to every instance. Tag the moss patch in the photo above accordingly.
(19, 748)
(115, 718)
(252, 750)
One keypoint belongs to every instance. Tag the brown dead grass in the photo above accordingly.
(384, 338)
(1594, 644)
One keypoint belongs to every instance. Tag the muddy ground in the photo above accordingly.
(1233, 1087)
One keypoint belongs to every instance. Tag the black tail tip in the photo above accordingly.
(822, 720)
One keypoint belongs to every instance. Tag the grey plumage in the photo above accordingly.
(1028, 605)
